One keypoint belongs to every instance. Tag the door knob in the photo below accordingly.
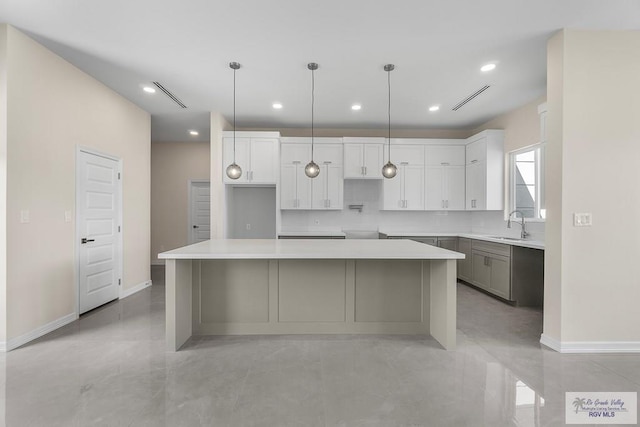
(85, 240)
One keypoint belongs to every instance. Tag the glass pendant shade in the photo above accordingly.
(234, 171)
(389, 170)
(312, 170)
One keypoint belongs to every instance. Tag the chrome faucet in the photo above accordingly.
(524, 233)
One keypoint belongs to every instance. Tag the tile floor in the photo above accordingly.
(110, 369)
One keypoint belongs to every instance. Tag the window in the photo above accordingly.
(527, 182)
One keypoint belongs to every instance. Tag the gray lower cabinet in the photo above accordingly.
(491, 267)
(465, 265)
(450, 243)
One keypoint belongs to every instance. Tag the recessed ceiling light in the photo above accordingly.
(277, 105)
(149, 89)
(434, 108)
(487, 67)
(193, 132)
(356, 107)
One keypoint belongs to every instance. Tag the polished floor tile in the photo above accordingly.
(109, 368)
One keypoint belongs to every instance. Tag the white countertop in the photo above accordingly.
(309, 249)
(534, 244)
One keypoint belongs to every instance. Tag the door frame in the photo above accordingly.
(189, 209)
(119, 259)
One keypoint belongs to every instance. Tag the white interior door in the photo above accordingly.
(98, 212)
(199, 212)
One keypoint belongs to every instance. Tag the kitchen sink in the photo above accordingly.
(515, 239)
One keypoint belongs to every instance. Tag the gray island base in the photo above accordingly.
(262, 287)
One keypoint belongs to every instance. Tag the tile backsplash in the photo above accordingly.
(368, 194)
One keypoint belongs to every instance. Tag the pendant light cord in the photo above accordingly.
(389, 113)
(313, 89)
(234, 115)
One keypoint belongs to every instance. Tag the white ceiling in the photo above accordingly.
(437, 47)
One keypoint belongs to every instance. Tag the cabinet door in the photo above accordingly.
(372, 161)
(392, 197)
(500, 276)
(433, 241)
(413, 182)
(450, 243)
(475, 179)
(455, 188)
(319, 189)
(481, 270)
(410, 154)
(353, 160)
(295, 152)
(434, 198)
(263, 160)
(477, 151)
(445, 156)
(328, 153)
(242, 159)
(303, 188)
(335, 187)
(464, 265)
(288, 192)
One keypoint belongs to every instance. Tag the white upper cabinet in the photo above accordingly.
(445, 178)
(324, 192)
(255, 152)
(363, 158)
(406, 190)
(485, 171)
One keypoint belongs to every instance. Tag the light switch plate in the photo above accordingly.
(24, 216)
(67, 216)
(582, 220)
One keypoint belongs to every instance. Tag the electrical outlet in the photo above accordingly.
(24, 216)
(248, 226)
(67, 216)
(316, 222)
(582, 220)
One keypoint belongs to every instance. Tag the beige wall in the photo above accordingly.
(521, 126)
(52, 108)
(173, 164)
(521, 129)
(218, 220)
(3, 183)
(595, 129)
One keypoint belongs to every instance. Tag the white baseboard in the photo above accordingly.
(590, 346)
(38, 332)
(157, 262)
(137, 288)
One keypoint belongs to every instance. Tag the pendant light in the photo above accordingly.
(233, 170)
(312, 170)
(389, 170)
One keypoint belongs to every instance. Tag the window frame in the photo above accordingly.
(539, 150)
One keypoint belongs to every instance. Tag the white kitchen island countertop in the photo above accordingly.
(309, 249)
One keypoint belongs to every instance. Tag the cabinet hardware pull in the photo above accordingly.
(296, 162)
(404, 163)
(365, 170)
(444, 164)
(327, 163)
(474, 161)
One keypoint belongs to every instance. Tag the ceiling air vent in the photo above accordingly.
(170, 95)
(469, 98)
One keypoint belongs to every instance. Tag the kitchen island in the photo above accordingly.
(270, 286)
